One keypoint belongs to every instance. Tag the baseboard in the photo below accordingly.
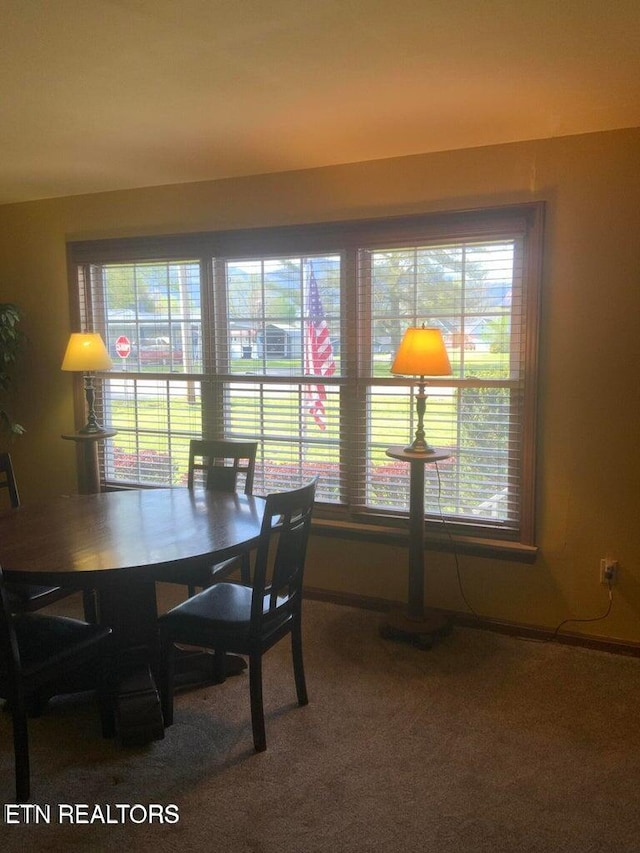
(514, 629)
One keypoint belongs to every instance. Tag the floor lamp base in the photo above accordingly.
(422, 632)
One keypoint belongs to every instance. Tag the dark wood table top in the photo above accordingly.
(82, 540)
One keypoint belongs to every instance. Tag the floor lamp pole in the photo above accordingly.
(415, 623)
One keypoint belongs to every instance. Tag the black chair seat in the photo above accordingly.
(47, 642)
(224, 609)
(27, 597)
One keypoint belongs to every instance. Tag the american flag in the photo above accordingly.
(318, 352)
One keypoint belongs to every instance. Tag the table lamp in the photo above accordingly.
(87, 353)
(421, 353)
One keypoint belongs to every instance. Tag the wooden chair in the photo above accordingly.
(249, 620)
(222, 464)
(24, 596)
(37, 654)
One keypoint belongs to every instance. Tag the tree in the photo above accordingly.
(424, 283)
(498, 334)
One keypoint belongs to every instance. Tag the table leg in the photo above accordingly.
(130, 610)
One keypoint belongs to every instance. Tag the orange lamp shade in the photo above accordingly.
(422, 353)
(86, 352)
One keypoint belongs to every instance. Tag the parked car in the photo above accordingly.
(159, 352)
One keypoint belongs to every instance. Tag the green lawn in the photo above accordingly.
(159, 422)
(486, 363)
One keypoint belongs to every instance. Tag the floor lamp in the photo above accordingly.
(421, 353)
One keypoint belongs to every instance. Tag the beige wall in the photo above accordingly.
(589, 405)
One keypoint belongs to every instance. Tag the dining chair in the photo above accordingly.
(223, 465)
(26, 596)
(249, 620)
(37, 653)
(221, 462)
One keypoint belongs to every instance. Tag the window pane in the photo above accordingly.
(156, 308)
(393, 421)
(284, 321)
(268, 310)
(155, 420)
(466, 290)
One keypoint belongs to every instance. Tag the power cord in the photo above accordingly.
(470, 607)
(445, 527)
(554, 636)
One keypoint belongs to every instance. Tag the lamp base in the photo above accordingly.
(420, 446)
(93, 429)
(421, 632)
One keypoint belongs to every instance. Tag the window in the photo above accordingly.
(287, 335)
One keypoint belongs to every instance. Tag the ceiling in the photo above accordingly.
(102, 95)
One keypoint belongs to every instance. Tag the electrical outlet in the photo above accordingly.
(608, 571)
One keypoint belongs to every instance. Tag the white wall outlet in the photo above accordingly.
(608, 571)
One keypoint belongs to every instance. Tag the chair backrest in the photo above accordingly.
(8, 479)
(281, 554)
(9, 652)
(221, 463)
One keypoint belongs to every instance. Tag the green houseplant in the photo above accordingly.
(11, 341)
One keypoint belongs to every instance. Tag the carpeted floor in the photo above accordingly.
(484, 743)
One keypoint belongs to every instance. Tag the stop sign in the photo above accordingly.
(123, 347)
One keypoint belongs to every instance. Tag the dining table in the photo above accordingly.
(120, 544)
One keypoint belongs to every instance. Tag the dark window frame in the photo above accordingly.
(348, 239)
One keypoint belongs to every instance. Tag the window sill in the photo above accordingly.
(495, 548)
